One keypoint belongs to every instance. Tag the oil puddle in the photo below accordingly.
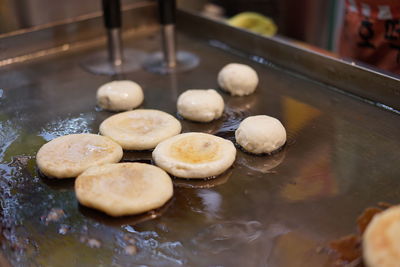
(231, 121)
(138, 156)
(15, 182)
(72, 125)
(227, 235)
(224, 127)
(295, 248)
(222, 242)
(203, 183)
(132, 220)
(8, 134)
(152, 250)
(204, 127)
(211, 201)
(263, 164)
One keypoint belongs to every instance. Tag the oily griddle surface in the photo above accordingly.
(342, 155)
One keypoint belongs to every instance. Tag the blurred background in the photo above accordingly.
(314, 24)
(311, 21)
(22, 14)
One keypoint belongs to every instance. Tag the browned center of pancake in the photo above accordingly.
(137, 125)
(193, 149)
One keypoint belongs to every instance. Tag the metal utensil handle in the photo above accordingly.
(112, 22)
(167, 12)
(112, 13)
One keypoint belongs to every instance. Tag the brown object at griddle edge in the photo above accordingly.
(348, 249)
(365, 218)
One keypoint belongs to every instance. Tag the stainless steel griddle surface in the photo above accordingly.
(342, 156)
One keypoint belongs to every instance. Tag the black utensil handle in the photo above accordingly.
(167, 10)
(112, 13)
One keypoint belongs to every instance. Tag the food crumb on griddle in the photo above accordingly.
(366, 218)
(130, 250)
(54, 215)
(93, 243)
(348, 248)
(129, 239)
(63, 229)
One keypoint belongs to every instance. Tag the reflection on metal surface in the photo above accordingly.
(74, 125)
(242, 104)
(125, 220)
(262, 164)
(312, 181)
(212, 202)
(298, 115)
(185, 61)
(101, 63)
(200, 183)
(20, 59)
(191, 126)
(297, 249)
(170, 60)
(226, 235)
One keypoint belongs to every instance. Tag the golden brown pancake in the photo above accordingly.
(68, 156)
(195, 155)
(124, 188)
(140, 129)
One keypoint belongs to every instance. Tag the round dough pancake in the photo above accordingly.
(68, 156)
(119, 95)
(200, 105)
(238, 79)
(381, 240)
(140, 129)
(260, 134)
(195, 155)
(124, 188)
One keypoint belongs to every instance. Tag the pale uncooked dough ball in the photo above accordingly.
(238, 79)
(381, 239)
(200, 105)
(119, 95)
(260, 134)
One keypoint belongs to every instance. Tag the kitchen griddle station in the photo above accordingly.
(342, 153)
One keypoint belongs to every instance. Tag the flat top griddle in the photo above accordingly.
(342, 156)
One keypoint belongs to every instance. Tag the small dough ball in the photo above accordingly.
(238, 79)
(195, 155)
(124, 188)
(119, 95)
(260, 134)
(68, 156)
(200, 105)
(140, 129)
(381, 239)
